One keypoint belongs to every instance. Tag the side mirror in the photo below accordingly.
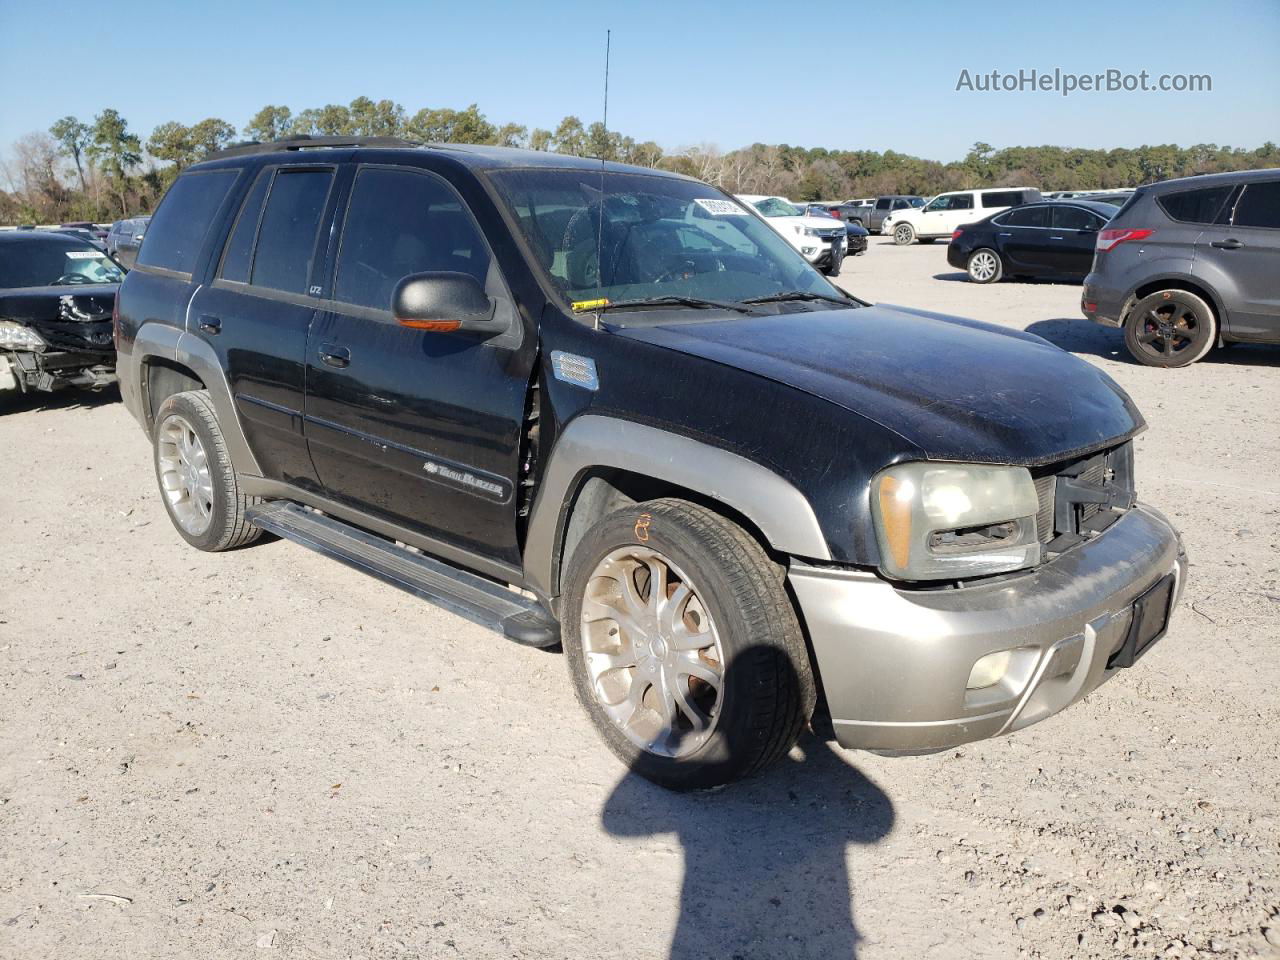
(443, 302)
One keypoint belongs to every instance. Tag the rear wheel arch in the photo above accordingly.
(161, 379)
(1201, 290)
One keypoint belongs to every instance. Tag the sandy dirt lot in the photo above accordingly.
(264, 754)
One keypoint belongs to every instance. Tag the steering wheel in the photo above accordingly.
(71, 278)
(682, 271)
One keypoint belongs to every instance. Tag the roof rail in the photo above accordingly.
(305, 141)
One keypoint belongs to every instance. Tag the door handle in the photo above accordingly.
(1004, 234)
(334, 355)
(210, 324)
(1231, 243)
(1054, 238)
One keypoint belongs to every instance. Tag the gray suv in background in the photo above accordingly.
(124, 238)
(1187, 264)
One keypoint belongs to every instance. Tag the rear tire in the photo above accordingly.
(1170, 328)
(985, 266)
(197, 481)
(904, 234)
(723, 612)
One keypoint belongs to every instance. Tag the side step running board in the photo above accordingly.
(467, 594)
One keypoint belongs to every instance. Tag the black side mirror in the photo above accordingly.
(443, 302)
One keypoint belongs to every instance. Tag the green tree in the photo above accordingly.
(540, 139)
(211, 135)
(269, 123)
(116, 151)
(570, 137)
(171, 141)
(73, 138)
(331, 120)
(451, 126)
(382, 119)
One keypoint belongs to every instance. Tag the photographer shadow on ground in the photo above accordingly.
(765, 870)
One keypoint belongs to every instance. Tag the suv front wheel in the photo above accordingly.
(197, 481)
(683, 646)
(904, 234)
(1169, 328)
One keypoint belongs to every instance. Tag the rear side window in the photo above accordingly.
(239, 254)
(1026, 217)
(1075, 218)
(175, 235)
(400, 223)
(287, 235)
(1259, 205)
(1002, 198)
(1195, 206)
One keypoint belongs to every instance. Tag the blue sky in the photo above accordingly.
(848, 75)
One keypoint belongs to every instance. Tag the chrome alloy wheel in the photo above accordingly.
(652, 652)
(902, 233)
(982, 266)
(184, 474)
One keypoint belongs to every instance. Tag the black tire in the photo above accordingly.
(227, 525)
(904, 234)
(768, 691)
(976, 266)
(1170, 328)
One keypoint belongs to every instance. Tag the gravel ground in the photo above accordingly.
(264, 754)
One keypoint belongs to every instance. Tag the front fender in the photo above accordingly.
(777, 508)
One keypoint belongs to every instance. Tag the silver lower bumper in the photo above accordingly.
(895, 663)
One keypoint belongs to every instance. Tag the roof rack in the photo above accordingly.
(305, 141)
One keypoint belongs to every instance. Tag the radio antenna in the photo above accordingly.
(604, 123)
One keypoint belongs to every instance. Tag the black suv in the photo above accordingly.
(1189, 264)
(737, 496)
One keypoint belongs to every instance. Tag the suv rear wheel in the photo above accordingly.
(1170, 328)
(683, 646)
(197, 482)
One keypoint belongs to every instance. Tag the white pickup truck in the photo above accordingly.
(821, 240)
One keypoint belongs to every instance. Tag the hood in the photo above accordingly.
(956, 389)
(82, 302)
(785, 224)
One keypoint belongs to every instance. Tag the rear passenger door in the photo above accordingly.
(422, 429)
(1073, 236)
(257, 312)
(1248, 251)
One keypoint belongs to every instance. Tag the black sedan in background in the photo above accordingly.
(1053, 239)
(857, 236)
(56, 295)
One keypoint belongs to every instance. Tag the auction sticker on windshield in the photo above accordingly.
(720, 208)
(84, 254)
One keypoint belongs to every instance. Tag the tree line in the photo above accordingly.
(102, 170)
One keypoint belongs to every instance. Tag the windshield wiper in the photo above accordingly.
(802, 295)
(675, 301)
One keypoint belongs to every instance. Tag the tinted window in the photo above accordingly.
(1074, 218)
(287, 236)
(239, 254)
(1002, 198)
(1259, 206)
(1195, 206)
(883, 203)
(177, 232)
(954, 201)
(1026, 217)
(400, 223)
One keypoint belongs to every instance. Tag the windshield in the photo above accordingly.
(55, 261)
(773, 207)
(623, 236)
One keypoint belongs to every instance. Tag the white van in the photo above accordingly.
(947, 211)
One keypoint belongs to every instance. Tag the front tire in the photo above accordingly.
(683, 646)
(1170, 328)
(197, 481)
(904, 234)
(984, 266)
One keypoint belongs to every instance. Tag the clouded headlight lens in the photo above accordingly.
(937, 521)
(14, 336)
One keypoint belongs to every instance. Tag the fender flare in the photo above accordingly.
(178, 346)
(781, 512)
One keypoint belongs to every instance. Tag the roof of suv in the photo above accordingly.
(1210, 179)
(472, 155)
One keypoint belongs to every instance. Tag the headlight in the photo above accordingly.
(811, 232)
(938, 521)
(15, 336)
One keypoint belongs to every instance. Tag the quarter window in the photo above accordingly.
(1002, 198)
(1259, 206)
(287, 237)
(400, 223)
(176, 233)
(1195, 206)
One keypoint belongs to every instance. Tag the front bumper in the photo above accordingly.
(52, 370)
(895, 663)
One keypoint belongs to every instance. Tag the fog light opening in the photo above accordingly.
(990, 670)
